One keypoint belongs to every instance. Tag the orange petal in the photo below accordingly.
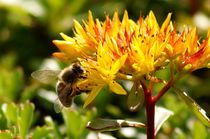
(60, 56)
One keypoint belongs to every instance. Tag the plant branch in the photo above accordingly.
(163, 90)
(167, 85)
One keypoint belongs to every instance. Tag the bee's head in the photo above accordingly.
(77, 69)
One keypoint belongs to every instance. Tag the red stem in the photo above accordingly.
(163, 90)
(150, 112)
(150, 106)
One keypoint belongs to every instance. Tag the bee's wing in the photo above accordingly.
(58, 106)
(46, 76)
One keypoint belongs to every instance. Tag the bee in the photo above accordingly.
(65, 87)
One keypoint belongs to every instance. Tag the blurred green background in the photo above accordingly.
(27, 28)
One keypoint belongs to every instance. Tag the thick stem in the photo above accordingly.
(150, 112)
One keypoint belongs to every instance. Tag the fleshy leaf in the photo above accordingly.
(102, 125)
(51, 125)
(25, 118)
(40, 132)
(135, 99)
(161, 115)
(199, 112)
(74, 122)
(49, 130)
(10, 111)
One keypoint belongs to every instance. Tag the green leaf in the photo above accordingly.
(25, 118)
(135, 98)
(199, 131)
(74, 123)
(102, 125)
(40, 132)
(5, 134)
(161, 115)
(48, 131)
(49, 122)
(10, 111)
(199, 112)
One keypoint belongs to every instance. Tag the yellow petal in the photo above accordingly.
(101, 56)
(117, 88)
(191, 41)
(94, 92)
(166, 23)
(79, 29)
(66, 38)
(90, 19)
(208, 36)
(152, 22)
(116, 19)
(118, 64)
(66, 47)
(125, 20)
(208, 33)
(116, 23)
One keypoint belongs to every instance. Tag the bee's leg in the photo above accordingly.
(82, 77)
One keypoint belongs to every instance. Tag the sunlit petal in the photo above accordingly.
(166, 23)
(94, 92)
(66, 38)
(118, 64)
(117, 88)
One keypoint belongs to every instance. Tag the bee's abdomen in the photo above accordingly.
(65, 95)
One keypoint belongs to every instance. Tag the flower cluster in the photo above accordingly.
(113, 49)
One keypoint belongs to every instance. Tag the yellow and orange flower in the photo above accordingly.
(106, 49)
(102, 72)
